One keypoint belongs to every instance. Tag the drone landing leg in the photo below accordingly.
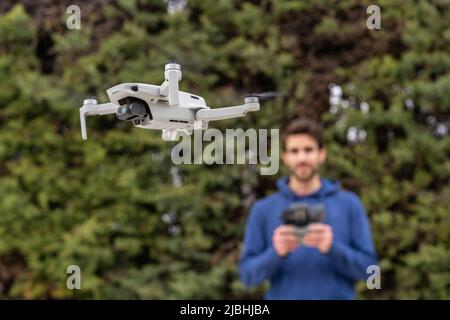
(90, 107)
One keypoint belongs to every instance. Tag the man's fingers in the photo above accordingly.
(314, 237)
(286, 238)
(310, 243)
(288, 234)
(284, 229)
(309, 239)
(293, 244)
(318, 227)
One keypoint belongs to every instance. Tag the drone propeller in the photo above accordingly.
(266, 95)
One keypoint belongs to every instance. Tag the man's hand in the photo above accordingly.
(284, 240)
(319, 236)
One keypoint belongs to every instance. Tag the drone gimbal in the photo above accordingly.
(162, 107)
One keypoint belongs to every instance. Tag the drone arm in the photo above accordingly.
(251, 104)
(89, 108)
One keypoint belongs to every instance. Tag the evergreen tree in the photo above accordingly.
(140, 227)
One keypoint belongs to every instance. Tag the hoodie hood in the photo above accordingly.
(328, 188)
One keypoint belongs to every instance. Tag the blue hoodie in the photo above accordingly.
(306, 273)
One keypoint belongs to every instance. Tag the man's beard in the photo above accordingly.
(305, 176)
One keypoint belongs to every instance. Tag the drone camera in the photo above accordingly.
(133, 109)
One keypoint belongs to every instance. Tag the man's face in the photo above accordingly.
(303, 156)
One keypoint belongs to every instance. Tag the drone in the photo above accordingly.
(162, 107)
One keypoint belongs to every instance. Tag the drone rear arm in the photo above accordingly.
(250, 104)
(89, 108)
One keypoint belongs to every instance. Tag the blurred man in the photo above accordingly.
(327, 261)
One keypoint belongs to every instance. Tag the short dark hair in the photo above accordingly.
(303, 126)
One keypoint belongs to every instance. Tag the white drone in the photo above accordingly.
(162, 107)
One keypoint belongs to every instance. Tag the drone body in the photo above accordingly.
(162, 107)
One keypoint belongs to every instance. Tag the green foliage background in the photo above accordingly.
(141, 228)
